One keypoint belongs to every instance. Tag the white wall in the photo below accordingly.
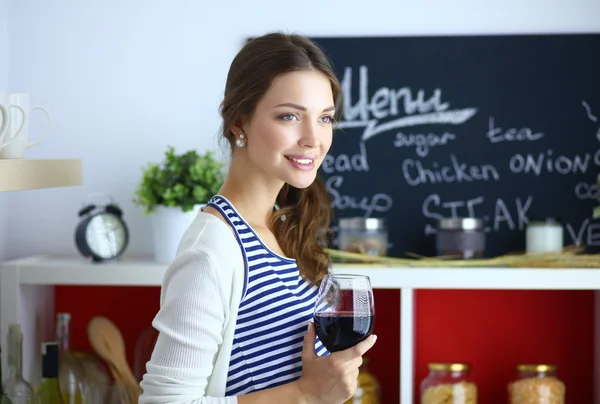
(124, 78)
(4, 68)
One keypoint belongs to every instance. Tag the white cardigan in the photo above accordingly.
(199, 303)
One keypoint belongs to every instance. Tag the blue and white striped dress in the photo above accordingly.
(276, 306)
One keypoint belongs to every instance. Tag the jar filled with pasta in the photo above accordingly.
(537, 384)
(448, 383)
(368, 390)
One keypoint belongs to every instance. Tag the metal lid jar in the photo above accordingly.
(448, 383)
(536, 384)
(363, 235)
(460, 238)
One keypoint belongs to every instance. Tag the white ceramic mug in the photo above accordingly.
(15, 141)
(5, 120)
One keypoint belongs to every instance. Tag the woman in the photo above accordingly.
(237, 300)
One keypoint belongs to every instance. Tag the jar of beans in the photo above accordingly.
(448, 383)
(537, 384)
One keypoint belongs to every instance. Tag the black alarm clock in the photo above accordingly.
(101, 233)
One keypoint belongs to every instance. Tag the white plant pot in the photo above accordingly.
(168, 226)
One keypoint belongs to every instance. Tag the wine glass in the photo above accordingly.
(344, 311)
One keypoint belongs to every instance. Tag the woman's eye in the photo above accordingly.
(288, 117)
(327, 119)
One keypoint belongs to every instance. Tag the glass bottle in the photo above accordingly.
(537, 383)
(50, 389)
(368, 390)
(448, 383)
(69, 369)
(16, 388)
(4, 399)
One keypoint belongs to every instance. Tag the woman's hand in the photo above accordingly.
(330, 379)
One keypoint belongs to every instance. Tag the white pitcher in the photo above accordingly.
(15, 141)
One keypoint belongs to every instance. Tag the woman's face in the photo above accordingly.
(291, 129)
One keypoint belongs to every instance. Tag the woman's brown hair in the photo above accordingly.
(302, 223)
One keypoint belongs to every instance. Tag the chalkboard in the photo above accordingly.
(505, 128)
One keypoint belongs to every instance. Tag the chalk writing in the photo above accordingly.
(588, 111)
(434, 208)
(386, 102)
(536, 164)
(416, 172)
(591, 117)
(344, 163)
(496, 134)
(584, 190)
(587, 233)
(379, 202)
(422, 142)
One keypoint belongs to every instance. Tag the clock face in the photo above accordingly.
(106, 235)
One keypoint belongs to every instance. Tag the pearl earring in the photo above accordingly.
(239, 142)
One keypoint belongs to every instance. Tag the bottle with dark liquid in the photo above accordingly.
(345, 311)
(50, 389)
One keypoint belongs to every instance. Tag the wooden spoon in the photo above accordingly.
(107, 341)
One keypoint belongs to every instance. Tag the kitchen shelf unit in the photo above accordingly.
(26, 175)
(47, 271)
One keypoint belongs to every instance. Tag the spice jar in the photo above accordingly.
(368, 390)
(545, 235)
(363, 235)
(460, 238)
(448, 383)
(537, 384)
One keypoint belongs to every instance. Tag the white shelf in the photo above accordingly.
(479, 278)
(52, 270)
(27, 293)
(27, 174)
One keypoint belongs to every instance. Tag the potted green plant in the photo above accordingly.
(173, 191)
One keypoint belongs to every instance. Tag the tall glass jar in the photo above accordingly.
(368, 390)
(448, 383)
(537, 384)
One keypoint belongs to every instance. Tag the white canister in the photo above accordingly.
(545, 235)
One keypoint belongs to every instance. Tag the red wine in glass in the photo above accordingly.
(345, 311)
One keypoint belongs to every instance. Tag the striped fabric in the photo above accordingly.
(276, 306)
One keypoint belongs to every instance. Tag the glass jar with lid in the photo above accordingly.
(363, 235)
(460, 238)
(537, 384)
(448, 383)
